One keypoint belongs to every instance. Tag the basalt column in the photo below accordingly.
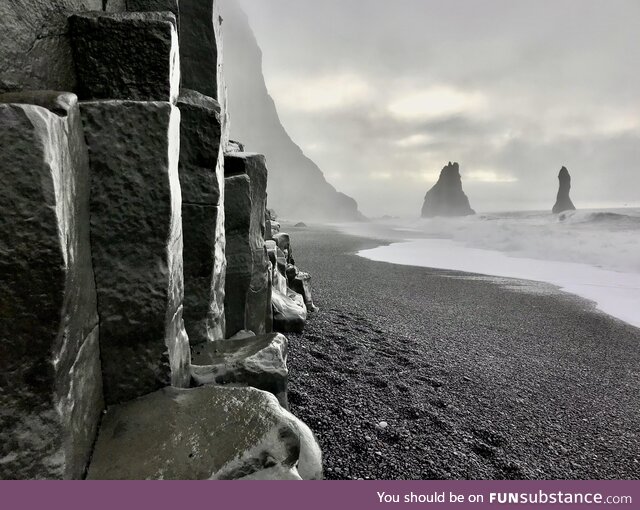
(50, 383)
(136, 202)
(248, 286)
(130, 55)
(201, 53)
(202, 182)
(136, 233)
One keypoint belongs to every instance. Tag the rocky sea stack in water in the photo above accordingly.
(563, 202)
(447, 198)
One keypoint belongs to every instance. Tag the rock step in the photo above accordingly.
(300, 282)
(204, 433)
(256, 361)
(289, 311)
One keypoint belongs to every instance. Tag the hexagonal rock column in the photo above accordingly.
(201, 47)
(256, 361)
(129, 55)
(136, 236)
(248, 289)
(166, 435)
(202, 182)
(201, 53)
(50, 381)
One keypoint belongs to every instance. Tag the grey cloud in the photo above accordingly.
(548, 69)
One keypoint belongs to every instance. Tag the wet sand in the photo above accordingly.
(475, 377)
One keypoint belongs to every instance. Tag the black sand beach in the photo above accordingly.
(475, 377)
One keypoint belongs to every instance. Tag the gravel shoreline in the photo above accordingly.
(413, 373)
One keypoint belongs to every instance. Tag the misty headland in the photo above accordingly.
(490, 328)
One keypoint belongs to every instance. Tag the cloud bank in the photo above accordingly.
(383, 94)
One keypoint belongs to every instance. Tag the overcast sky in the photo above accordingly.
(383, 93)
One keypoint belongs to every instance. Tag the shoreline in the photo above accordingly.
(473, 378)
(613, 290)
(615, 293)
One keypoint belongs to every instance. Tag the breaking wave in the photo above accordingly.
(607, 239)
(593, 254)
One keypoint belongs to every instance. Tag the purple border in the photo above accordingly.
(205, 495)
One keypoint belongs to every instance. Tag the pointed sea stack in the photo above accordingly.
(447, 198)
(564, 203)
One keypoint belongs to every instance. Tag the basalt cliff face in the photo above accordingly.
(447, 198)
(140, 274)
(297, 187)
(563, 202)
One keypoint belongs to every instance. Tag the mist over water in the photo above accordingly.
(606, 238)
(594, 254)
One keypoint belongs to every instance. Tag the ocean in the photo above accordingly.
(594, 254)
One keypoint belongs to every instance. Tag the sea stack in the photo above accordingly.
(564, 203)
(447, 198)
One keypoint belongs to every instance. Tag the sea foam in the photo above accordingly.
(593, 254)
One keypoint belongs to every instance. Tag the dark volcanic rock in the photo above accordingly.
(446, 198)
(126, 55)
(300, 282)
(202, 180)
(235, 146)
(248, 295)
(238, 251)
(201, 54)
(204, 433)
(35, 53)
(283, 241)
(136, 237)
(201, 171)
(297, 187)
(272, 227)
(201, 48)
(50, 381)
(289, 311)
(256, 361)
(115, 5)
(204, 272)
(153, 6)
(563, 202)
